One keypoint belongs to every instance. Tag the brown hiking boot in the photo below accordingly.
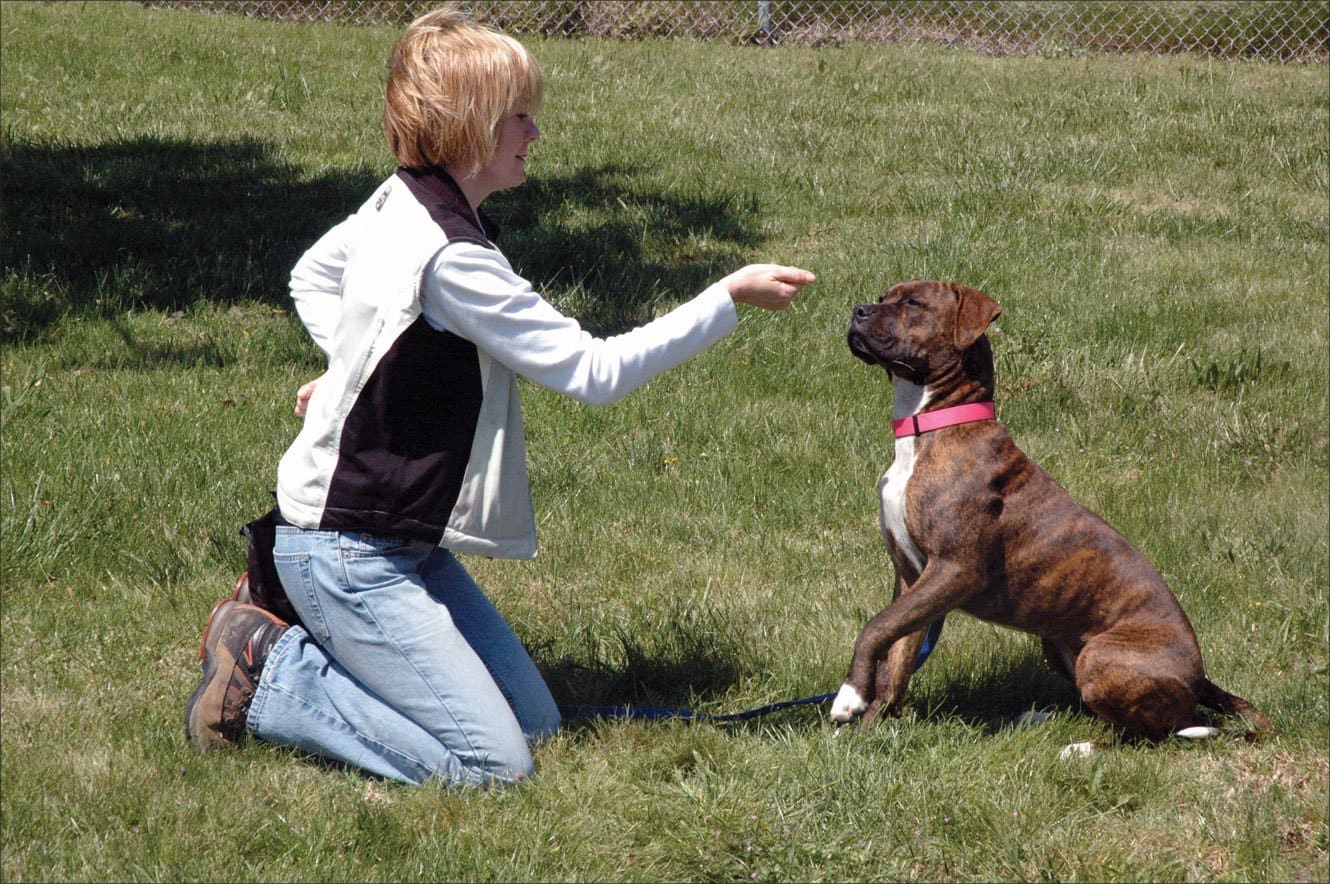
(248, 592)
(236, 643)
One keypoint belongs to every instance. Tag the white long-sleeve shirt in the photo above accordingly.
(416, 429)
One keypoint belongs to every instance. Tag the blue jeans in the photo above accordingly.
(406, 671)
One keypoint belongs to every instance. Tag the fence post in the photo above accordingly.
(764, 20)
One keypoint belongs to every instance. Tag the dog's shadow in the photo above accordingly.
(991, 695)
(688, 665)
(994, 697)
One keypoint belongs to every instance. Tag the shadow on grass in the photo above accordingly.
(155, 223)
(671, 677)
(993, 698)
(618, 248)
(684, 666)
(994, 695)
(163, 224)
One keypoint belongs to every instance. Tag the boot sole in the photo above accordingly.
(241, 593)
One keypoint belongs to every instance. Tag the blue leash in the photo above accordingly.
(659, 713)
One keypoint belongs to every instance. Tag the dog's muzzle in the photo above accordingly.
(859, 338)
(859, 347)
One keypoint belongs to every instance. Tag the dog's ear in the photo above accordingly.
(973, 314)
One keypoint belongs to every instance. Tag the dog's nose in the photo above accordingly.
(862, 311)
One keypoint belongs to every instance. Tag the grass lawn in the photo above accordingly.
(1155, 228)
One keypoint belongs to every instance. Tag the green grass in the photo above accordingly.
(1155, 228)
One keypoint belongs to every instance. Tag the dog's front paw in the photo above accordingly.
(848, 705)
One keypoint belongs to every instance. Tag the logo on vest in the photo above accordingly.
(383, 198)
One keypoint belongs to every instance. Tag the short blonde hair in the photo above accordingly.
(450, 84)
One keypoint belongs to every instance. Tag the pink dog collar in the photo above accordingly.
(918, 424)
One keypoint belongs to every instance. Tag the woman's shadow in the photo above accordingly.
(165, 224)
(154, 224)
(609, 250)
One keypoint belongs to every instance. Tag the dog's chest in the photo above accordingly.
(892, 490)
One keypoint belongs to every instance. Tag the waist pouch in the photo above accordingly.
(265, 587)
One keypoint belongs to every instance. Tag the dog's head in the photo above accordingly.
(920, 330)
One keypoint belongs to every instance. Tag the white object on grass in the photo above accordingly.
(1076, 750)
(1198, 732)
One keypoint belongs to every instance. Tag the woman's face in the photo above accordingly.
(507, 168)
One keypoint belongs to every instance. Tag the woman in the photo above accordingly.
(412, 447)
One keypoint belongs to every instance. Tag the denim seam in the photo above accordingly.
(504, 690)
(310, 596)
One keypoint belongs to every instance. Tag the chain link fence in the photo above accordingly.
(1282, 30)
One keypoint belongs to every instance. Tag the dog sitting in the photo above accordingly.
(974, 525)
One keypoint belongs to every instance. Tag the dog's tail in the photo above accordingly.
(1221, 700)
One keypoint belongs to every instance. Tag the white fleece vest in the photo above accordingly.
(413, 431)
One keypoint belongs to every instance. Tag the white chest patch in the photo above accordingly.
(909, 399)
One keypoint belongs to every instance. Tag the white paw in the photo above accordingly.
(1198, 733)
(1076, 750)
(1032, 717)
(848, 705)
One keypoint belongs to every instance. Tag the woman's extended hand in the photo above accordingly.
(302, 396)
(769, 286)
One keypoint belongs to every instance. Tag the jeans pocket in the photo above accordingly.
(353, 545)
(373, 562)
(298, 580)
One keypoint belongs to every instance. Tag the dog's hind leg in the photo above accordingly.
(1128, 677)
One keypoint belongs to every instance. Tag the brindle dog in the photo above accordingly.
(974, 525)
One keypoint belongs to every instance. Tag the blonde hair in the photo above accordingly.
(450, 84)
